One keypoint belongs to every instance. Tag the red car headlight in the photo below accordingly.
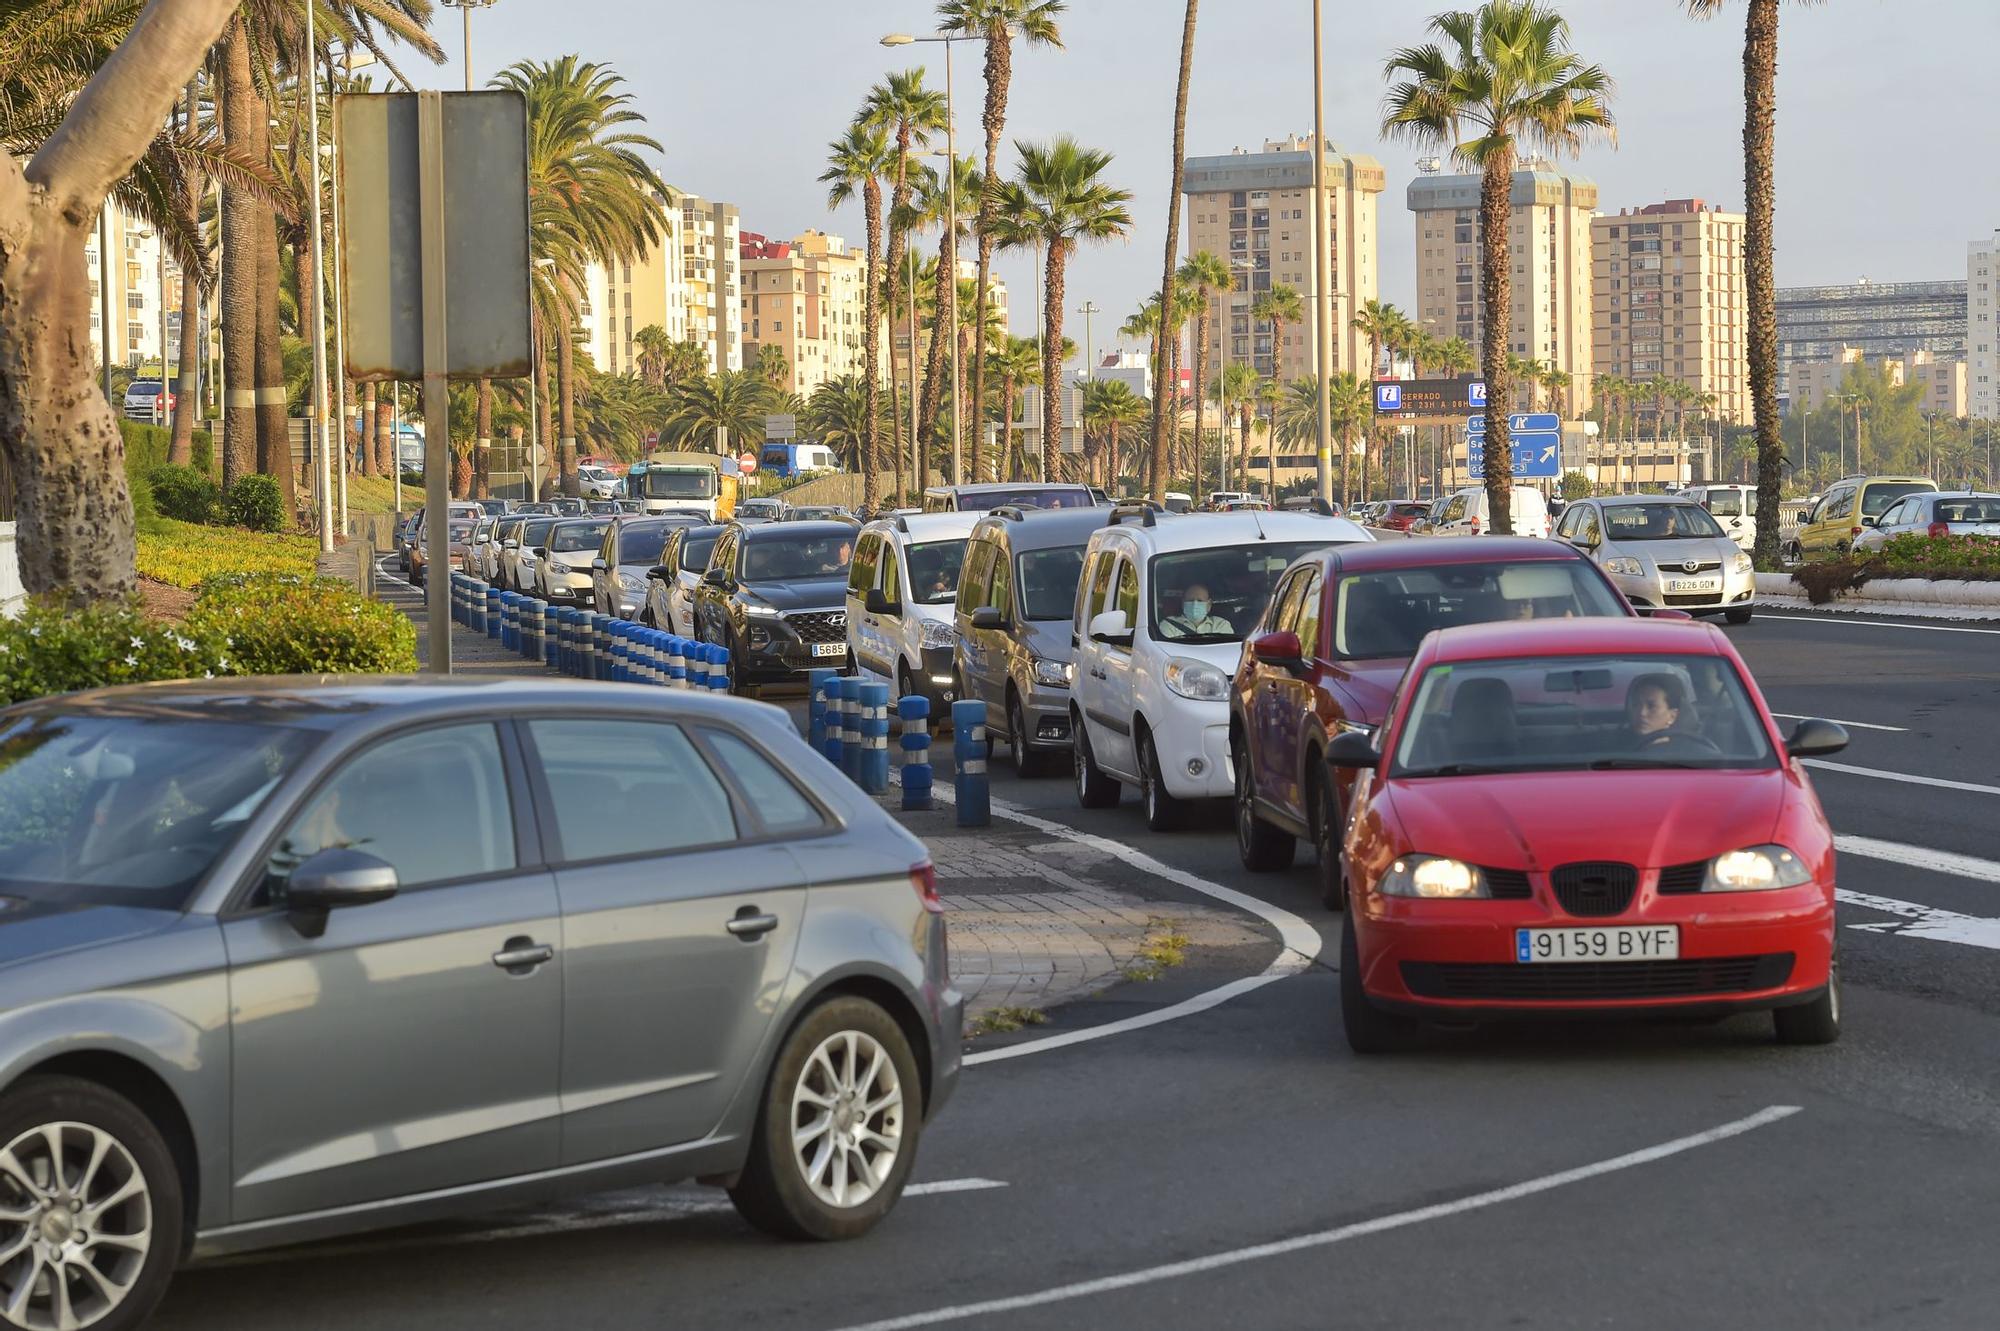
(1435, 877)
(1756, 869)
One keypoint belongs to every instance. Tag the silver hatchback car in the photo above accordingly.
(281, 959)
(1663, 552)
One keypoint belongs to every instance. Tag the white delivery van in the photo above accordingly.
(1734, 508)
(1465, 513)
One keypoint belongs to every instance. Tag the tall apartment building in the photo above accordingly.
(1875, 318)
(1944, 379)
(1255, 210)
(711, 272)
(136, 294)
(806, 297)
(1982, 327)
(1668, 299)
(623, 297)
(1550, 237)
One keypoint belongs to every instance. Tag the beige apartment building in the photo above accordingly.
(1982, 327)
(1550, 237)
(1944, 379)
(623, 297)
(1255, 210)
(806, 297)
(711, 273)
(898, 333)
(1668, 299)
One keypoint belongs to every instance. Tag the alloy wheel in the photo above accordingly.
(76, 1224)
(847, 1119)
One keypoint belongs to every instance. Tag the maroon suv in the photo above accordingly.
(1329, 653)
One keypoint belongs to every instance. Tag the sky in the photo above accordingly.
(1887, 133)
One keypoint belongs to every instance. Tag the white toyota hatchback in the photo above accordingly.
(1161, 614)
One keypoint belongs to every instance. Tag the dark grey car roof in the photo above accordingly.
(1622, 501)
(1042, 528)
(792, 531)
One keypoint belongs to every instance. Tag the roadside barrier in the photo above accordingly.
(914, 711)
(458, 598)
(969, 782)
(831, 734)
(816, 707)
(490, 624)
(873, 763)
(510, 621)
(677, 666)
(849, 720)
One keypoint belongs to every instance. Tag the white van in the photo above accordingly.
(1161, 613)
(1734, 508)
(1466, 513)
(902, 593)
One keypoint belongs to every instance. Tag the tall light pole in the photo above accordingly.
(1087, 309)
(465, 8)
(322, 453)
(1322, 267)
(104, 294)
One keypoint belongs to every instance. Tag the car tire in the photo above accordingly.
(787, 1187)
(1028, 764)
(1739, 614)
(1817, 1022)
(87, 1119)
(1793, 553)
(1262, 847)
(1094, 790)
(1164, 813)
(1368, 1028)
(1323, 805)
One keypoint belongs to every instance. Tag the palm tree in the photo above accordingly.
(1760, 115)
(1350, 406)
(1110, 407)
(591, 198)
(702, 409)
(771, 365)
(1504, 75)
(856, 163)
(1378, 321)
(1556, 383)
(910, 114)
(1204, 276)
(1018, 362)
(1165, 388)
(999, 22)
(837, 416)
(1061, 193)
(1454, 358)
(930, 203)
(1280, 306)
(654, 346)
(1237, 386)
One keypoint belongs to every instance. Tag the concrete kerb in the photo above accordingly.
(1924, 598)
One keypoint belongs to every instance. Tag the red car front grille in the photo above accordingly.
(1594, 888)
(1594, 981)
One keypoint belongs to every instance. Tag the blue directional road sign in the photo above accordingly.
(1388, 397)
(1522, 422)
(1537, 448)
(1475, 425)
(1475, 393)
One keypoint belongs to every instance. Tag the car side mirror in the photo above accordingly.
(1353, 748)
(989, 617)
(333, 879)
(659, 572)
(1666, 613)
(877, 602)
(1815, 738)
(1281, 650)
(1113, 627)
(716, 577)
(1867, 521)
(598, 565)
(510, 544)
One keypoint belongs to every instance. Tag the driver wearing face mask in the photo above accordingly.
(1194, 619)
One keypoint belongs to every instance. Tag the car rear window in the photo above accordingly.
(1875, 500)
(1966, 510)
(1725, 503)
(574, 536)
(1387, 613)
(642, 544)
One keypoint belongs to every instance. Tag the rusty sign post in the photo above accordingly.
(433, 194)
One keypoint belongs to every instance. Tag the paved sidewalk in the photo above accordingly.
(1035, 920)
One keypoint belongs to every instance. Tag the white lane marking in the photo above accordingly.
(1870, 623)
(1301, 941)
(612, 1211)
(1851, 725)
(1327, 1237)
(1914, 919)
(1907, 778)
(1919, 857)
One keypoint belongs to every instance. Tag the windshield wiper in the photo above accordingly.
(1465, 769)
(1639, 764)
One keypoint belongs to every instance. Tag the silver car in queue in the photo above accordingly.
(288, 958)
(1663, 552)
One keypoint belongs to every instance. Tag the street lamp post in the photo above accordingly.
(465, 8)
(1322, 267)
(951, 239)
(322, 453)
(1087, 309)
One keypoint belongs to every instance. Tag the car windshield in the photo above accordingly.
(695, 551)
(797, 559)
(1387, 613)
(461, 530)
(574, 536)
(1877, 498)
(1580, 713)
(1726, 503)
(1658, 522)
(1966, 510)
(934, 569)
(1046, 582)
(758, 507)
(129, 810)
(691, 483)
(1214, 595)
(536, 532)
(1027, 496)
(641, 543)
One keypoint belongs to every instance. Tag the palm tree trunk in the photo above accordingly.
(482, 455)
(187, 391)
(387, 460)
(1243, 451)
(566, 393)
(931, 401)
(871, 351)
(1200, 374)
(544, 409)
(1173, 252)
(367, 431)
(241, 121)
(1496, 291)
(1007, 390)
(999, 75)
(1052, 326)
(274, 432)
(1760, 101)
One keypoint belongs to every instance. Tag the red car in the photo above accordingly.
(1341, 626)
(1579, 817)
(1401, 514)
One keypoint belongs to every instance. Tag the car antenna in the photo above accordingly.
(1258, 519)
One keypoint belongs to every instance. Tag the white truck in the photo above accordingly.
(701, 483)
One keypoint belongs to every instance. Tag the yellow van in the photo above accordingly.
(1850, 506)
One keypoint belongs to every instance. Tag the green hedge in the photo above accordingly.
(52, 649)
(147, 446)
(183, 492)
(253, 502)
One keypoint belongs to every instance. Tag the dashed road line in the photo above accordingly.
(1851, 725)
(1763, 614)
(1906, 778)
(1327, 1237)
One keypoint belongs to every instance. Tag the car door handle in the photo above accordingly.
(519, 956)
(748, 925)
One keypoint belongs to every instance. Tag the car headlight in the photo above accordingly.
(1624, 566)
(938, 633)
(1196, 679)
(1051, 674)
(1433, 876)
(1744, 564)
(1756, 869)
(631, 582)
(759, 610)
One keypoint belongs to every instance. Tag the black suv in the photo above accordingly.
(775, 596)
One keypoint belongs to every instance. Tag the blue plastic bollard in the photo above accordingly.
(457, 597)
(510, 623)
(551, 637)
(541, 618)
(847, 701)
(491, 623)
(675, 657)
(830, 732)
(816, 706)
(634, 654)
(614, 654)
(874, 760)
(914, 710)
(718, 669)
(969, 784)
(601, 628)
(656, 657)
(531, 644)
(565, 637)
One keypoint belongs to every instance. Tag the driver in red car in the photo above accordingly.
(1655, 706)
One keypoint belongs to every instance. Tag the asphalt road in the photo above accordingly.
(1239, 1168)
